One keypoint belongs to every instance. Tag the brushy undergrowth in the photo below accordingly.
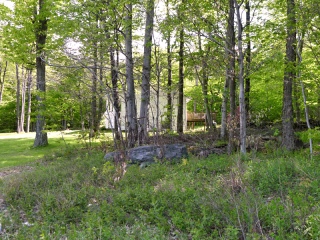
(77, 195)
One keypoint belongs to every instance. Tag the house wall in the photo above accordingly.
(157, 110)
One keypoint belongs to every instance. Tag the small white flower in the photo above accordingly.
(27, 224)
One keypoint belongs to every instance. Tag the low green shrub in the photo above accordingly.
(272, 176)
(80, 196)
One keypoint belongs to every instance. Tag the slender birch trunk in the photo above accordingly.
(41, 26)
(18, 100)
(289, 75)
(204, 85)
(306, 111)
(169, 76)
(23, 100)
(248, 59)
(241, 84)
(3, 71)
(146, 73)
(230, 76)
(29, 86)
(130, 94)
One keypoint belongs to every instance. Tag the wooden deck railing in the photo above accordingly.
(193, 118)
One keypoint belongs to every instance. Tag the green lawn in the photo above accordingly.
(18, 149)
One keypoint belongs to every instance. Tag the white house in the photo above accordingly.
(157, 110)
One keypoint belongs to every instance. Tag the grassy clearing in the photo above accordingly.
(17, 149)
(74, 194)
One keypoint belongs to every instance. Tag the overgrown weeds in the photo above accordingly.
(80, 196)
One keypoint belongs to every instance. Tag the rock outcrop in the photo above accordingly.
(151, 153)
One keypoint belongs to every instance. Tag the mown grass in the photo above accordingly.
(75, 194)
(16, 151)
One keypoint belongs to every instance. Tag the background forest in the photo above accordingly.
(61, 61)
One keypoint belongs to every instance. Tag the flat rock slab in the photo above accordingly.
(150, 153)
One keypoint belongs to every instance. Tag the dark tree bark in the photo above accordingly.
(94, 123)
(296, 101)
(300, 42)
(289, 75)
(180, 115)
(169, 83)
(94, 80)
(158, 71)
(115, 96)
(230, 75)
(181, 83)
(101, 102)
(296, 92)
(3, 71)
(248, 59)
(41, 27)
(169, 76)
(130, 94)
(29, 85)
(146, 73)
(243, 131)
(18, 90)
(225, 94)
(23, 99)
(231, 58)
(204, 83)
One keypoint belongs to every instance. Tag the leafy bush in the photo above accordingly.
(272, 176)
(8, 117)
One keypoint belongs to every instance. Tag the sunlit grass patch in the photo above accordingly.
(16, 151)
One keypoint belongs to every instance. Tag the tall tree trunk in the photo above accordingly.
(180, 116)
(297, 81)
(130, 95)
(158, 75)
(115, 96)
(23, 99)
(101, 102)
(224, 104)
(289, 75)
(306, 111)
(169, 77)
(169, 84)
(3, 71)
(29, 85)
(18, 99)
(230, 75)
(296, 101)
(41, 28)
(241, 84)
(181, 83)
(204, 84)
(93, 120)
(114, 63)
(248, 59)
(146, 73)
(94, 91)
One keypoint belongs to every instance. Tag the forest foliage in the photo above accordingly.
(87, 62)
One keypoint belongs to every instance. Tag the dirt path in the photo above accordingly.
(7, 172)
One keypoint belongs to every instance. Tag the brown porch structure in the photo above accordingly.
(193, 118)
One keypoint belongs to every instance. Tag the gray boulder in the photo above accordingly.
(114, 156)
(142, 154)
(149, 153)
(175, 151)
